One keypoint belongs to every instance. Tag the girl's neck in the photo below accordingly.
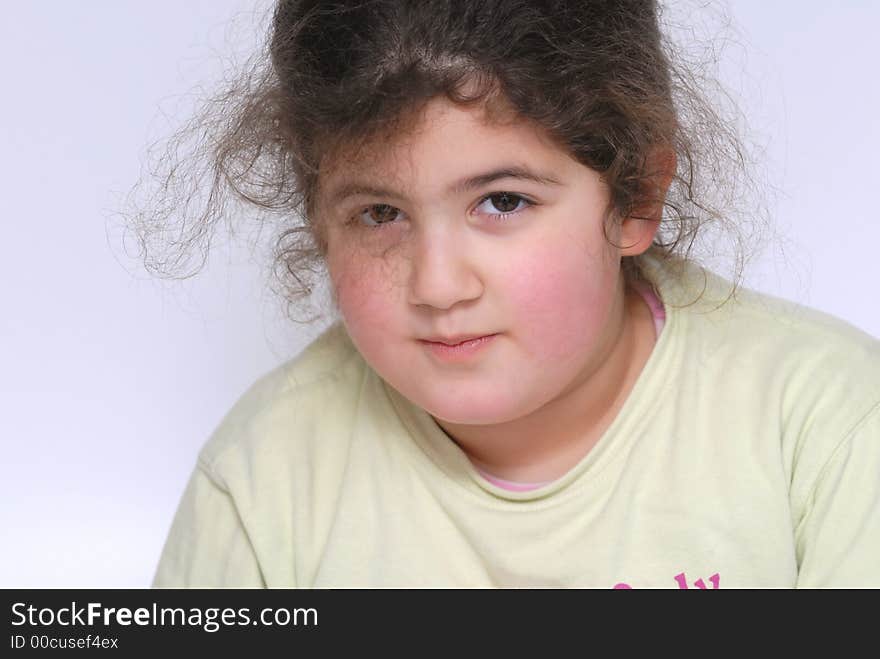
(546, 444)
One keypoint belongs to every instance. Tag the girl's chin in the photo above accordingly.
(471, 412)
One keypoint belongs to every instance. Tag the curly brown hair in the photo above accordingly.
(599, 76)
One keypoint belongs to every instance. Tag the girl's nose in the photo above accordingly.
(442, 269)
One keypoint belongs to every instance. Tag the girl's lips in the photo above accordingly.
(455, 340)
(460, 352)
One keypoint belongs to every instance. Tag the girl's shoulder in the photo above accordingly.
(740, 336)
(291, 402)
(722, 316)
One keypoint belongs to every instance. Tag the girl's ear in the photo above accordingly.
(638, 229)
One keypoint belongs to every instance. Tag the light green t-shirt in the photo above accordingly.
(747, 454)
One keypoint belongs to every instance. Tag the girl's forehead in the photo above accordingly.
(447, 135)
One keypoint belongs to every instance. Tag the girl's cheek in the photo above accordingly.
(359, 263)
(365, 296)
(354, 298)
(560, 299)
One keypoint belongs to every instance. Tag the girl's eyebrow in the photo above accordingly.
(351, 188)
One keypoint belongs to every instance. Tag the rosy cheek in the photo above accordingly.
(366, 303)
(357, 302)
(351, 278)
(353, 297)
(558, 300)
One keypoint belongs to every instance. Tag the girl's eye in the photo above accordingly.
(377, 215)
(505, 203)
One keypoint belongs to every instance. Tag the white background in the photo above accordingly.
(110, 381)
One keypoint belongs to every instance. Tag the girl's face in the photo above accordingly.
(470, 228)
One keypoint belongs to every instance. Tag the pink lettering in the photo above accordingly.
(681, 579)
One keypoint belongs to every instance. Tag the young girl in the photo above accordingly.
(529, 381)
